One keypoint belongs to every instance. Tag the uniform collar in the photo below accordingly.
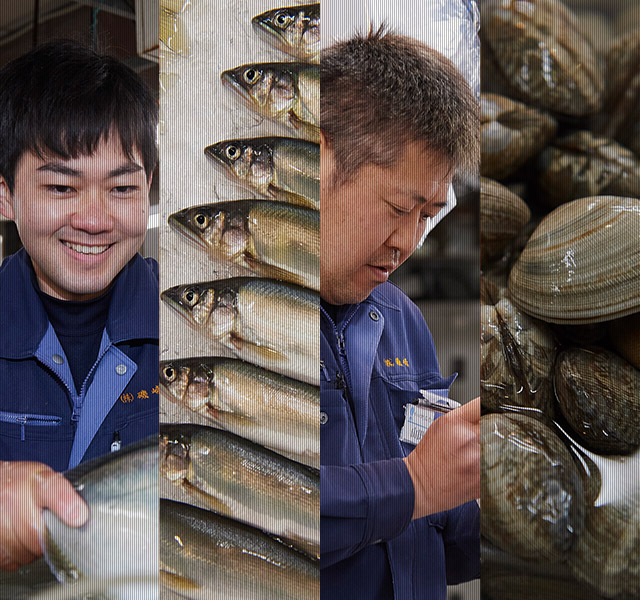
(23, 321)
(386, 295)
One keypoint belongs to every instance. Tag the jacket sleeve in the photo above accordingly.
(461, 537)
(362, 504)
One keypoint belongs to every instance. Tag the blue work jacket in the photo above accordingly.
(42, 415)
(375, 359)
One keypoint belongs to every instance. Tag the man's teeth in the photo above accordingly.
(86, 249)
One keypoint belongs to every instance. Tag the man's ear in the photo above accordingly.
(6, 200)
(326, 163)
(324, 142)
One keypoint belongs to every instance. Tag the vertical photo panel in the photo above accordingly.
(560, 234)
(240, 306)
(79, 390)
(400, 318)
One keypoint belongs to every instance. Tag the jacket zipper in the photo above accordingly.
(77, 406)
(28, 419)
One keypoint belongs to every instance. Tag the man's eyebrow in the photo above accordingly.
(56, 167)
(422, 200)
(62, 169)
(125, 170)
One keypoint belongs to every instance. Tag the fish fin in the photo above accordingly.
(64, 570)
(309, 131)
(213, 503)
(225, 418)
(177, 583)
(262, 351)
(291, 198)
(294, 120)
(272, 271)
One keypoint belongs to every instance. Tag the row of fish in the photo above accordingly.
(247, 525)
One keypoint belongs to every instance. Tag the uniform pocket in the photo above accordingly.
(27, 420)
(338, 438)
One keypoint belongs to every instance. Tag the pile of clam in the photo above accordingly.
(560, 208)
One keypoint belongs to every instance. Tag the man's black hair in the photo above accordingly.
(63, 98)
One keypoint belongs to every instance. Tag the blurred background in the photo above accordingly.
(125, 29)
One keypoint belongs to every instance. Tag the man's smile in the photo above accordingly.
(83, 249)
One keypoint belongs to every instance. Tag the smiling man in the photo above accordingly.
(397, 521)
(79, 305)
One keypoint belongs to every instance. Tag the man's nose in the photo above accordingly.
(406, 234)
(92, 212)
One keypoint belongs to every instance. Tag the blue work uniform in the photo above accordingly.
(43, 417)
(375, 359)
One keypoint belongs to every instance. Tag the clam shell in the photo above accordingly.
(628, 18)
(542, 52)
(507, 577)
(582, 263)
(592, 24)
(511, 133)
(581, 164)
(502, 216)
(517, 356)
(625, 335)
(599, 395)
(607, 554)
(532, 498)
(623, 105)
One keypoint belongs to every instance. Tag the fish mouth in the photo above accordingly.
(176, 223)
(86, 249)
(216, 153)
(268, 33)
(171, 298)
(232, 82)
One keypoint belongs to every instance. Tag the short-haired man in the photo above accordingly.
(79, 305)
(397, 120)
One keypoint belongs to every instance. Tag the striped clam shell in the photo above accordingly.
(599, 395)
(502, 214)
(517, 353)
(511, 133)
(625, 335)
(532, 494)
(582, 263)
(607, 554)
(542, 52)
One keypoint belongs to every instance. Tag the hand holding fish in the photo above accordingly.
(25, 489)
(445, 465)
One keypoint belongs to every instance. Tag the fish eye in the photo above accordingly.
(201, 220)
(232, 152)
(282, 19)
(169, 373)
(251, 75)
(190, 297)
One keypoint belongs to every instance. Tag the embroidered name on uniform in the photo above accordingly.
(400, 363)
(128, 397)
